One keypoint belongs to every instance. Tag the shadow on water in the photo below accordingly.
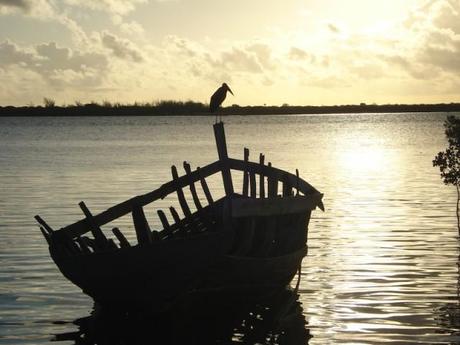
(275, 320)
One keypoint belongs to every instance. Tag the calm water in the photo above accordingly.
(382, 263)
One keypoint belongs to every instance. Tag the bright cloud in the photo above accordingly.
(324, 60)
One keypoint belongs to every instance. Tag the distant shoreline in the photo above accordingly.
(173, 108)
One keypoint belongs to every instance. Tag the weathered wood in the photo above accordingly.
(287, 186)
(65, 243)
(46, 235)
(81, 227)
(270, 171)
(261, 177)
(90, 243)
(297, 181)
(141, 226)
(83, 245)
(99, 236)
(164, 221)
(221, 144)
(124, 243)
(272, 184)
(252, 184)
(245, 173)
(243, 207)
(45, 226)
(245, 237)
(205, 187)
(175, 215)
(268, 241)
(196, 200)
(180, 194)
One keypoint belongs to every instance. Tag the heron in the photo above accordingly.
(218, 97)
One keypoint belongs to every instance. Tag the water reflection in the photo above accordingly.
(278, 319)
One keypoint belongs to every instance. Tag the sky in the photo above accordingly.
(311, 52)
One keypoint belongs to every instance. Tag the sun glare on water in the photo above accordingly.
(362, 159)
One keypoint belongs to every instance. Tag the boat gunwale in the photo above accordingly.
(119, 210)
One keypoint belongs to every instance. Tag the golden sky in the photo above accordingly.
(307, 52)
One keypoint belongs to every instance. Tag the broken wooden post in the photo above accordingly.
(180, 193)
(141, 225)
(221, 144)
(205, 187)
(272, 183)
(99, 236)
(196, 200)
(261, 177)
(121, 238)
(245, 172)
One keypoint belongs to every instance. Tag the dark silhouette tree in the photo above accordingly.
(448, 161)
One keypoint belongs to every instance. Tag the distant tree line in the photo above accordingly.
(196, 108)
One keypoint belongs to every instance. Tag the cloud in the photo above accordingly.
(56, 66)
(121, 48)
(11, 54)
(119, 7)
(34, 8)
(21, 4)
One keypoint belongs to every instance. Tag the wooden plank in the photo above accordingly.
(268, 239)
(272, 184)
(46, 235)
(196, 200)
(245, 173)
(175, 215)
(83, 245)
(287, 186)
(261, 177)
(205, 187)
(297, 181)
(45, 226)
(164, 221)
(221, 144)
(99, 236)
(124, 243)
(252, 184)
(81, 227)
(243, 207)
(141, 226)
(271, 171)
(180, 194)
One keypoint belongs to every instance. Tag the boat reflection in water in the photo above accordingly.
(277, 319)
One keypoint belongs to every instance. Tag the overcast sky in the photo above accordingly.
(269, 51)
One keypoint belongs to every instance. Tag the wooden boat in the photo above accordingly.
(241, 245)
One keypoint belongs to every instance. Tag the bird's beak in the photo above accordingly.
(230, 90)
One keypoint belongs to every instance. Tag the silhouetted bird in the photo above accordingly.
(218, 97)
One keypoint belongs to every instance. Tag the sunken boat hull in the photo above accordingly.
(243, 245)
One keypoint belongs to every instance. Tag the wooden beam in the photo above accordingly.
(81, 227)
(221, 144)
(121, 238)
(245, 173)
(196, 200)
(141, 226)
(45, 226)
(252, 184)
(261, 177)
(243, 207)
(272, 184)
(205, 187)
(180, 194)
(99, 236)
(269, 171)
(287, 186)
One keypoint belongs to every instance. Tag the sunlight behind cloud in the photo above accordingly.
(330, 52)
